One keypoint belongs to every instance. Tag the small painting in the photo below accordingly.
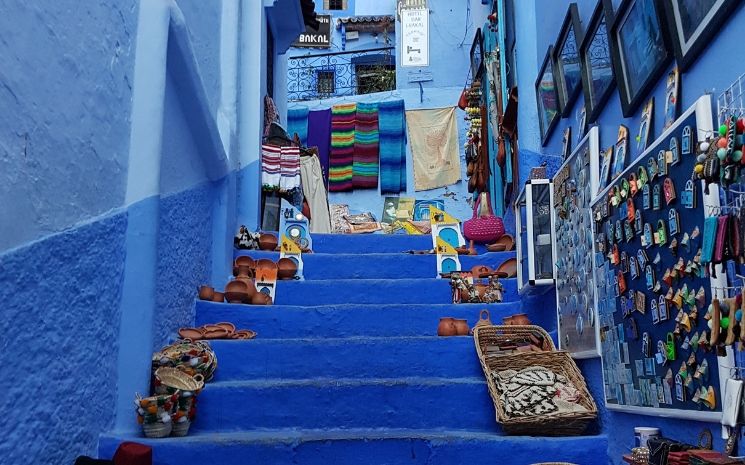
(642, 139)
(619, 163)
(671, 98)
(605, 164)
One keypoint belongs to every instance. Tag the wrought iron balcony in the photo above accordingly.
(311, 77)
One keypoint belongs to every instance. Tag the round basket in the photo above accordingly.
(157, 430)
(176, 379)
(180, 429)
(191, 357)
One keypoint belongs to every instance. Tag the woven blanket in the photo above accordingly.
(290, 169)
(342, 147)
(297, 123)
(271, 156)
(365, 166)
(392, 146)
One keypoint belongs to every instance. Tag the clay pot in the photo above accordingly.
(206, 292)
(216, 333)
(245, 260)
(218, 297)
(261, 299)
(447, 327)
(268, 242)
(461, 327)
(190, 333)
(287, 268)
(236, 291)
(244, 271)
(510, 267)
(479, 270)
(520, 319)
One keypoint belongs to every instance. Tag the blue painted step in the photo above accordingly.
(320, 266)
(360, 357)
(453, 403)
(373, 291)
(366, 447)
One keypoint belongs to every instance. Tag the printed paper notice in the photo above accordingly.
(415, 37)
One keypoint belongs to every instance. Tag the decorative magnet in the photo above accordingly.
(618, 231)
(646, 346)
(610, 230)
(615, 286)
(621, 282)
(628, 231)
(604, 209)
(641, 257)
(679, 391)
(616, 256)
(623, 210)
(686, 141)
(688, 197)
(652, 168)
(633, 185)
(642, 178)
(655, 313)
(638, 225)
(625, 188)
(662, 308)
(674, 152)
(670, 346)
(641, 302)
(673, 222)
(667, 277)
(661, 163)
(646, 197)
(633, 267)
(656, 197)
(649, 272)
(674, 247)
(630, 210)
(669, 188)
(661, 234)
(647, 238)
(615, 196)
(632, 331)
(624, 262)
(624, 306)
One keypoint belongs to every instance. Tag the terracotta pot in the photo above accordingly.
(236, 291)
(265, 263)
(510, 267)
(218, 297)
(206, 292)
(190, 333)
(447, 327)
(461, 327)
(508, 320)
(287, 268)
(520, 319)
(217, 333)
(244, 271)
(268, 242)
(503, 244)
(250, 288)
(261, 299)
(245, 260)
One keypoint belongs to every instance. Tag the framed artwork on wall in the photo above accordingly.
(645, 127)
(477, 55)
(545, 91)
(567, 73)
(671, 97)
(566, 143)
(596, 60)
(693, 23)
(640, 51)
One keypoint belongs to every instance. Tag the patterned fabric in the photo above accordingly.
(290, 169)
(270, 114)
(366, 138)
(392, 146)
(319, 135)
(297, 123)
(271, 156)
(433, 138)
(342, 147)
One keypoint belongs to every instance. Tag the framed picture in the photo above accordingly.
(671, 97)
(566, 143)
(622, 147)
(640, 50)
(566, 60)
(693, 24)
(642, 139)
(581, 123)
(596, 60)
(605, 167)
(477, 55)
(545, 91)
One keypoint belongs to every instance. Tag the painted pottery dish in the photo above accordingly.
(190, 333)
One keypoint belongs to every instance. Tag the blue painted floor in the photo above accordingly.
(347, 368)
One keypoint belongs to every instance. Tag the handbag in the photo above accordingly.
(463, 100)
(483, 227)
(659, 448)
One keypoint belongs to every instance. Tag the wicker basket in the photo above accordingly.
(560, 424)
(157, 430)
(174, 379)
(181, 429)
(174, 356)
(496, 334)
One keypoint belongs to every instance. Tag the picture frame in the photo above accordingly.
(645, 126)
(566, 147)
(567, 69)
(641, 50)
(598, 78)
(605, 164)
(621, 152)
(692, 24)
(477, 55)
(546, 98)
(672, 88)
(581, 123)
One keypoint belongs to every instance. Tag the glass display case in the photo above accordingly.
(534, 224)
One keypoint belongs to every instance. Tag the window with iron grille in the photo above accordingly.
(325, 82)
(335, 4)
(379, 77)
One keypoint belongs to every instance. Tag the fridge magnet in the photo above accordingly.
(622, 143)
(669, 189)
(641, 302)
(662, 308)
(642, 139)
(674, 153)
(641, 257)
(688, 197)
(673, 222)
(638, 222)
(655, 313)
(662, 163)
(647, 238)
(686, 141)
(671, 97)
(656, 197)
(633, 268)
(649, 272)
(652, 167)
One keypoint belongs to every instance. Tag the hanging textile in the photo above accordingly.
(271, 115)
(319, 135)
(342, 147)
(297, 123)
(290, 168)
(392, 147)
(271, 156)
(433, 136)
(314, 188)
(366, 139)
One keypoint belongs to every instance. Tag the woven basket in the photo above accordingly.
(560, 424)
(495, 335)
(181, 429)
(175, 379)
(157, 430)
(174, 356)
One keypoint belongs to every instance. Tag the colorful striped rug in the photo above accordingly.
(392, 147)
(297, 123)
(365, 166)
(341, 158)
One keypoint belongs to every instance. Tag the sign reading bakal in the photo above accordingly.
(320, 37)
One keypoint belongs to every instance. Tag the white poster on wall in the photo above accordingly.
(415, 37)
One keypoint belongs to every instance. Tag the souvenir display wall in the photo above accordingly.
(575, 185)
(653, 287)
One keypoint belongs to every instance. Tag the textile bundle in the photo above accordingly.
(365, 166)
(271, 157)
(290, 168)
(342, 147)
(433, 136)
(297, 123)
(392, 148)
(319, 135)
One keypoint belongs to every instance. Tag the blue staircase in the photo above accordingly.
(347, 367)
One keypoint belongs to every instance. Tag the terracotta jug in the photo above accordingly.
(447, 327)
(508, 320)
(520, 319)
(461, 327)
(206, 292)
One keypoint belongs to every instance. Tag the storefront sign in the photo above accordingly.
(320, 37)
(415, 37)
(409, 5)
